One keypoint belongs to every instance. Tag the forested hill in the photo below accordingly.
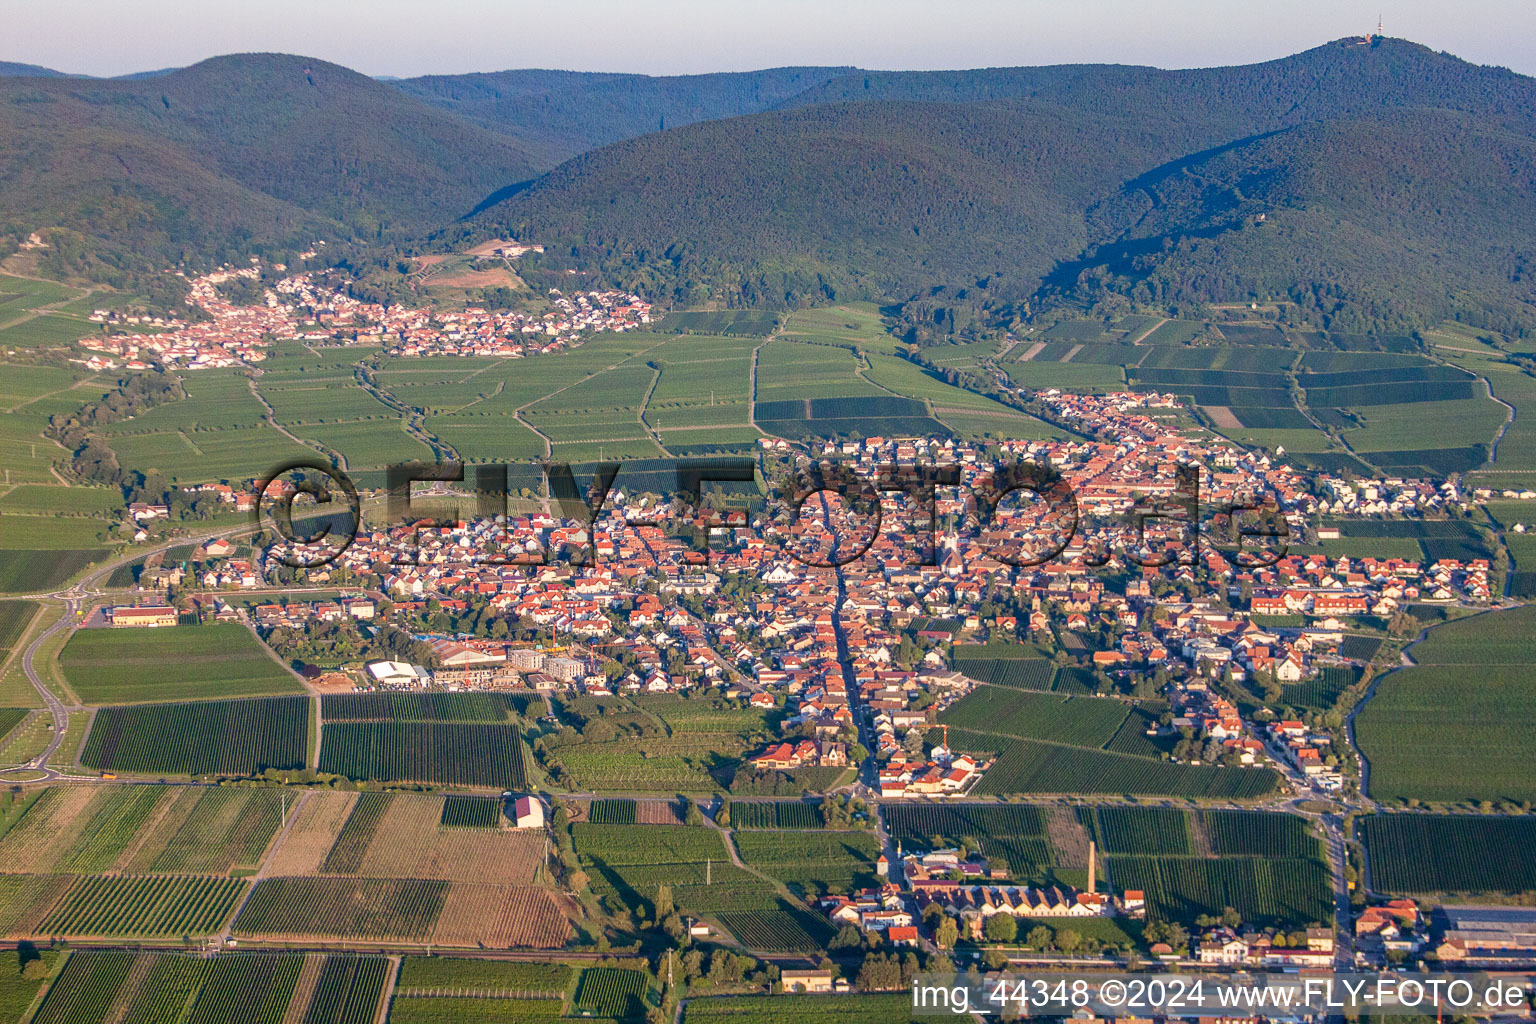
(1400, 219)
(900, 182)
(1337, 79)
(1377, 185)
(555, 115)
(9, 69)
(232, 153)
(884, 197)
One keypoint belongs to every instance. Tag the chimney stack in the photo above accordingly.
(1092, 867)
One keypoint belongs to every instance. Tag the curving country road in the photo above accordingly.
(74, 596)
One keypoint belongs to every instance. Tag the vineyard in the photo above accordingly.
(75, 830)
(813, 862)
(1450, 853)
(617, 811)
(677, 764)
(1016, 673)
(26, 899)
(404, 835)
(503, 916)
(1324, 690)
(475, 1010)
(471, 812)
(787, 929)
(1076, 721)
(1139, 830)
(422, 975)
(346, 856)
(1029, 766)
(698, 888)
(777, 814)
(629, 862)
(10, 718)
(1471, 689)
(919, 822)
(1256, 834)
(217, 737)
(369, 908)
(1266, 892)
(1360, 648)
(647, 844)
(85, 988)
(250, 987)
(221, 829)
(426, 752)
(863, 1008)
(612, 992)
(700, 714)
(415, 910)
(14, 616)
(349, 990)
(146, 907)
(484, 708)
(235, 988)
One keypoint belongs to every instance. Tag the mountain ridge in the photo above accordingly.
(629, 197)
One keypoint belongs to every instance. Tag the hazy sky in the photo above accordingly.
(413, 37)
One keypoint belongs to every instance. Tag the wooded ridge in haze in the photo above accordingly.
(1376, 185)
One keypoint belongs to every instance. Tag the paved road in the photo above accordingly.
(74, 597)
(56, 708)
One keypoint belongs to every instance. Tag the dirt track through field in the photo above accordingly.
(315, 825)
(304, 989)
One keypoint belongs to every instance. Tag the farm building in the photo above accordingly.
(396, 673)
(807, 981)
(528, 812)
(149, 615)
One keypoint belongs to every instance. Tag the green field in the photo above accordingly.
(1268, 867)
(812, 862)
(612, 992)
(161, 906)
(122, 666)
(24, 571)
(448, 754)
(864, 1008)
(14, 617)
(1026, 714)
(237, 988)
(1453, 728)
(18, 991)
(374, 908)
(1033, 766)
(530, 980)
(1013, 836)
(1433, 855)
(1055, 743)
(86, 501)
(626, 864)
(50, 532)
(220, 737)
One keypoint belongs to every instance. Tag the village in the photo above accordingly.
(855, 663)
(296, 308)
(753, 619)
